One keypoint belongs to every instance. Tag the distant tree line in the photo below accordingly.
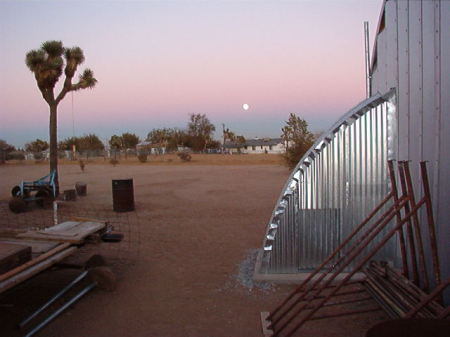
(196, 136)
(8, 152)
(125, 141)
(89, 142)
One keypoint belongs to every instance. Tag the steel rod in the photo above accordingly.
(54, 298)
(61, 309)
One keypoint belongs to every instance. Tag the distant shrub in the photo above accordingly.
(38, 156)
(15, 155)
(113, 161)
(184, 156)
(142, 157)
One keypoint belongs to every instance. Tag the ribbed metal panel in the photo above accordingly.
(332, 189)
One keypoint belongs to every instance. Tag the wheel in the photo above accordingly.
(16, 192)
(17, 205)
(44, 198)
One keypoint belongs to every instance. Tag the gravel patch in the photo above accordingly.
(244, 275)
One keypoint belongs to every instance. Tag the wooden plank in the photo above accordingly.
(69, 231)
(34, 261)
(265, 323)
(29, 272)
(37, 246)
(13, 255)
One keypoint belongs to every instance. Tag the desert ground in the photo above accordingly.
(184, 267)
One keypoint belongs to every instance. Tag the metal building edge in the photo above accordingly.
(262, 271)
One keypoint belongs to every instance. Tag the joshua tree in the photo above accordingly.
(47, 64)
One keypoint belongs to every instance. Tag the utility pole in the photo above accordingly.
(367, 58)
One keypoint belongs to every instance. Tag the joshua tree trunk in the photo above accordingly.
(54, 143)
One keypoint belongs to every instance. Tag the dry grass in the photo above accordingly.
(172, 159)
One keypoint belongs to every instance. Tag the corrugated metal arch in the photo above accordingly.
(337, 182)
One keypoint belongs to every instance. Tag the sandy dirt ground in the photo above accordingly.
(184, 267)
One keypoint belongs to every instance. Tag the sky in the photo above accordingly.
(156, 62)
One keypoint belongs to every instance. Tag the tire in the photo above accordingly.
(16, 192)
(17, 205)
(44, 198)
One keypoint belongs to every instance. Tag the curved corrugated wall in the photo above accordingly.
(333, 187)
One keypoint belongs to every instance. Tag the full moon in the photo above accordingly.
(245, 106)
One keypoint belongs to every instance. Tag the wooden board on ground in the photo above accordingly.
(37, 246)
(69, 231)
(35, 266)
(13, 255)
(267, 332)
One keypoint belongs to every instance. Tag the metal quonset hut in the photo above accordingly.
(344, 175)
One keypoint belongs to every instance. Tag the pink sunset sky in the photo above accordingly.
(156, 62)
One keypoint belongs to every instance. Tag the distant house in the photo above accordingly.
(257, 146)
(151, 148)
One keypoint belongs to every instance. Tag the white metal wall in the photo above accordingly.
(413, 55)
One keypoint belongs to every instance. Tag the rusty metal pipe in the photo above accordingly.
(332, 255)
(342, 258)
(398, 296)
(431, 227)
(385, 221)
(445, 313)
(412, 289)
(401, 238)
(409, 230)
(401, 294)
(435, 293)
(405, 286)
(373, 251)
(347, 313)
(417, 230)
(386, 297)
(387, 309)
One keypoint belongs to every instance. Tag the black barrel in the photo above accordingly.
(123, 195)
(81, 188)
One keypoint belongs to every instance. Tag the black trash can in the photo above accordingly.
(81, 188)
(123, 195)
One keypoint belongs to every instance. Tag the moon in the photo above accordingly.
(245, 106)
